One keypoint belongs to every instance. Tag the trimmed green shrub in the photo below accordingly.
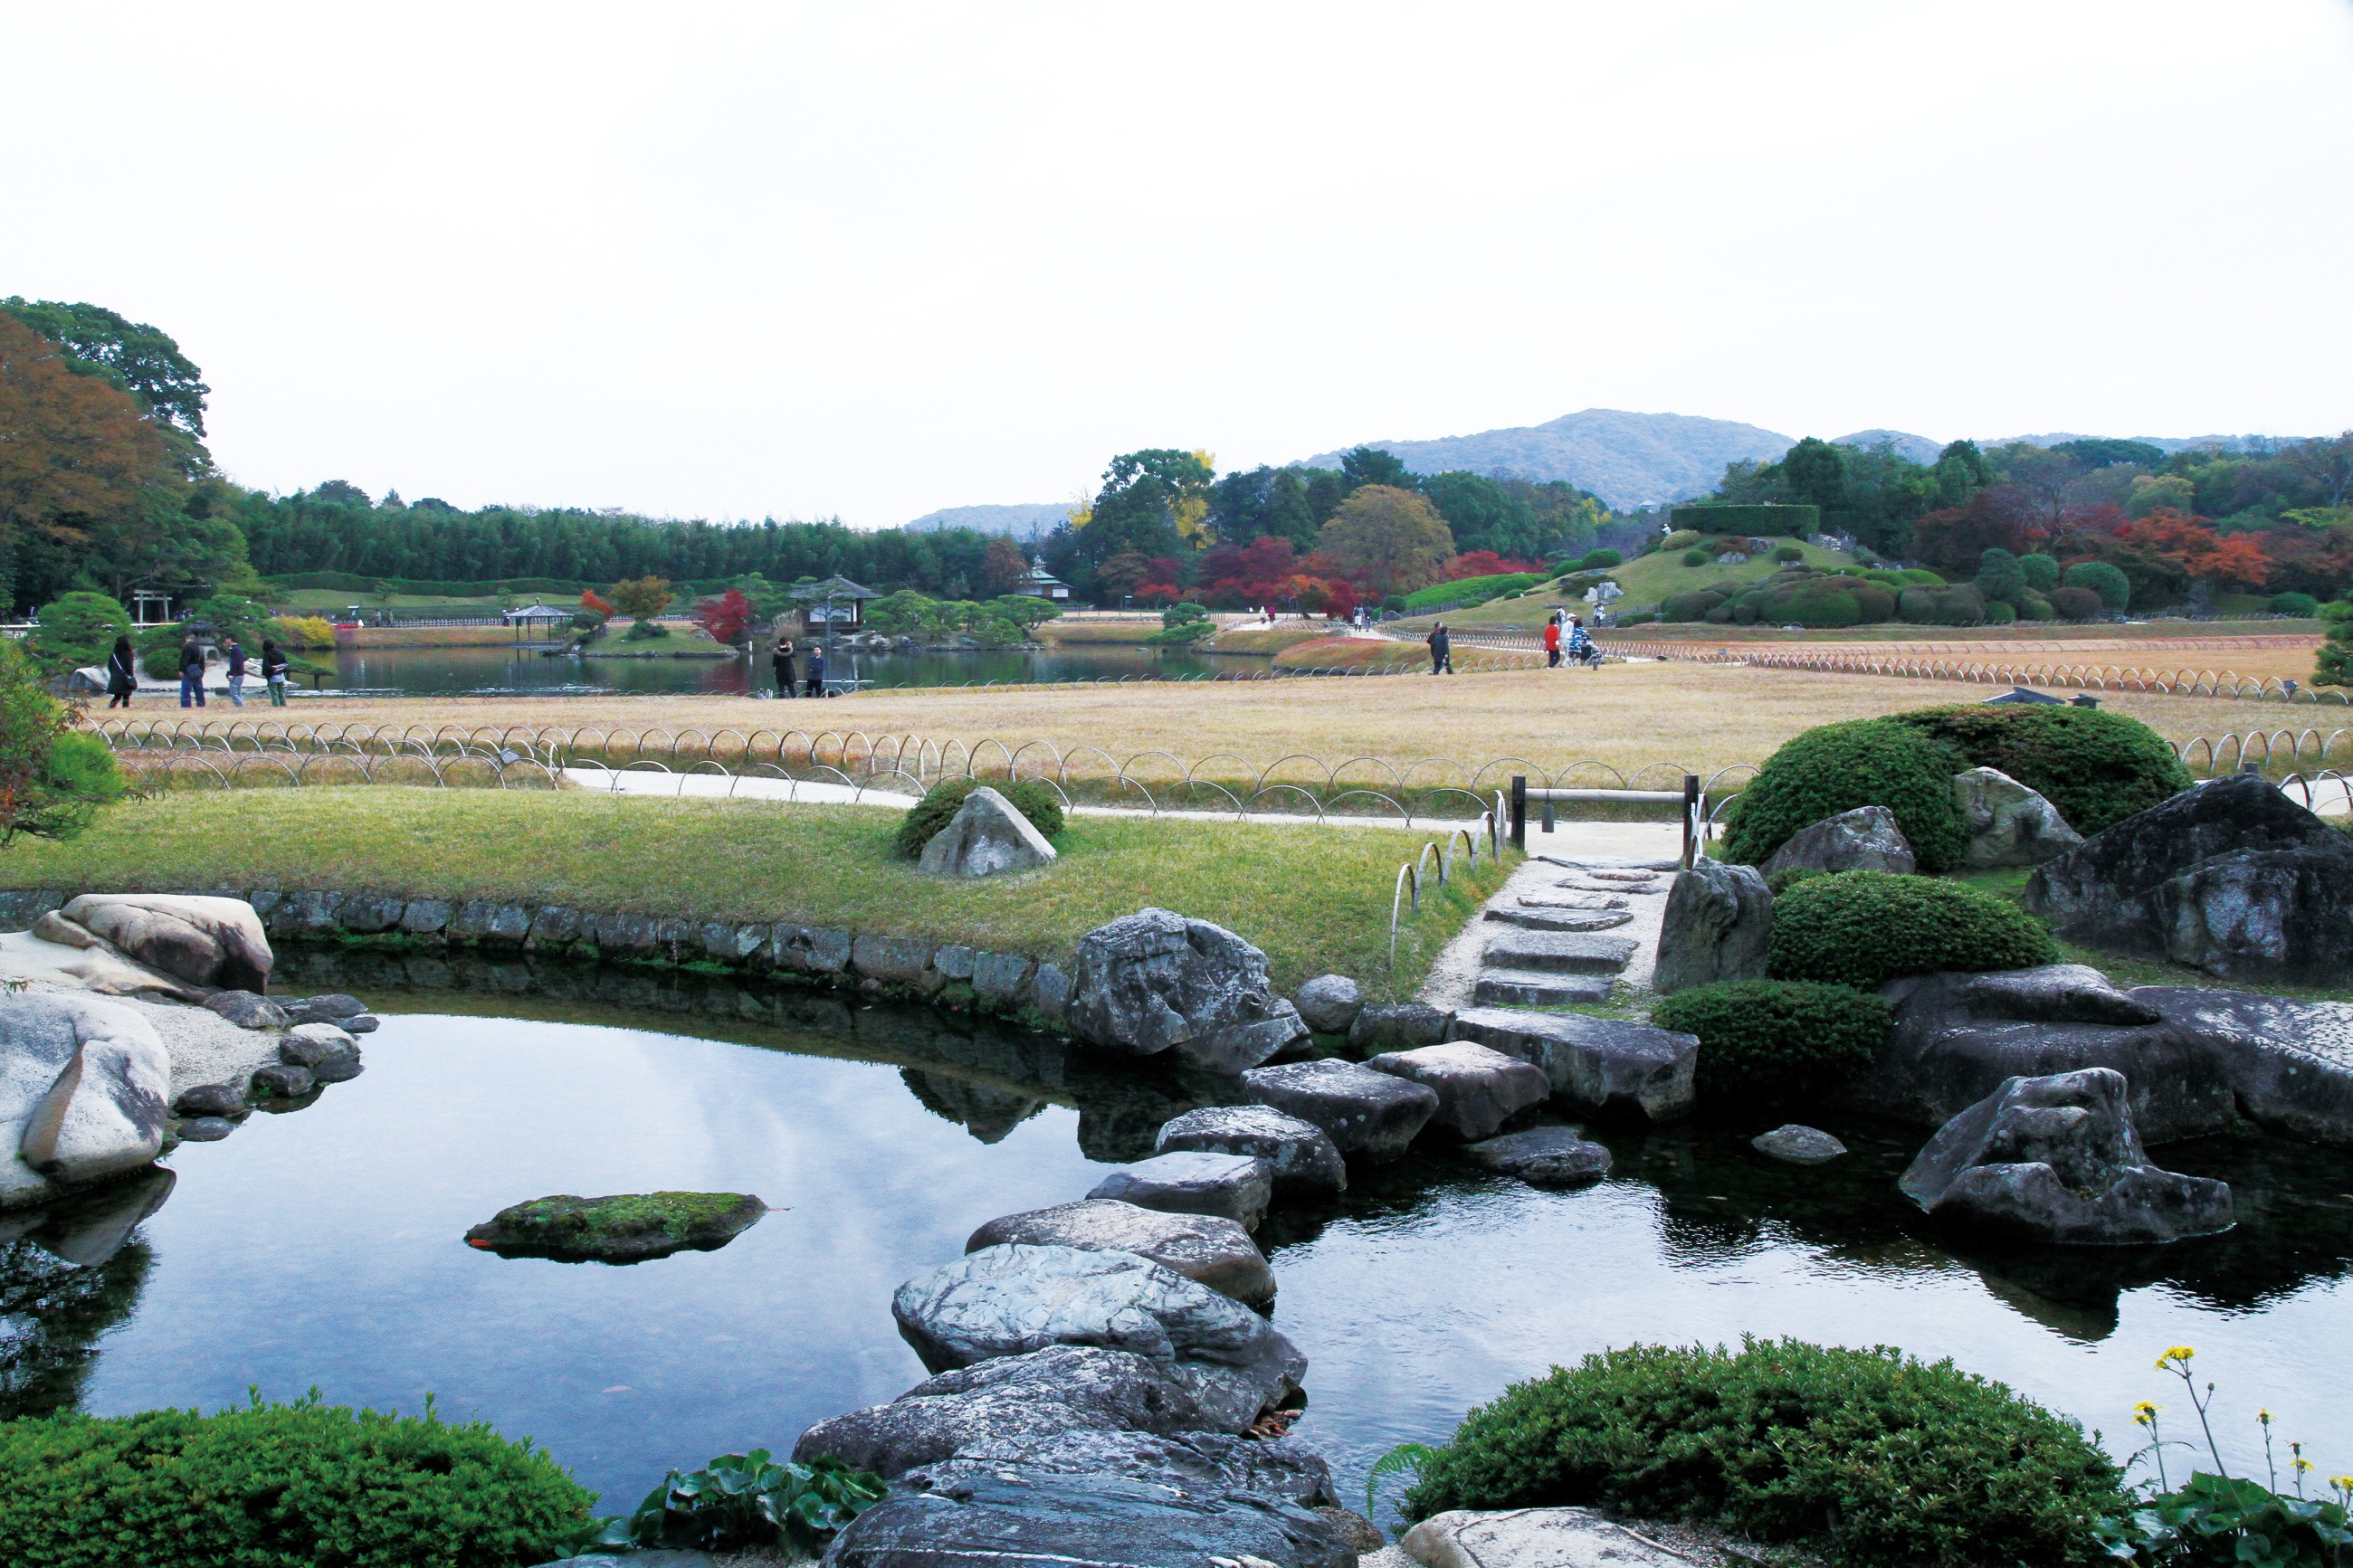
(1467, 590)
(1961, 606)
(1837, 767)
(1681, 539)
(1789, 552)
(2077, 604)
(2095, 766)
(1695, 557)
(1031, 797)
(1637, 618)
(279, 1486)
(1767, 1042)
(2294, 605)
(2035, 607)
(1692, 605)
(1867, 1456)
(1600, 560)
(2040, 572)
(2333, 665)
(1866, 928)
(1798, 521)
(1922, 577)
(2000, 613)
(78, 629)
(2109, 583)
(1917, 605)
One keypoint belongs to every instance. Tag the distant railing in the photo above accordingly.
(2150, 681)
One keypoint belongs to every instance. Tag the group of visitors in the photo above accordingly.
(123, 672)
(1565, 633)
(781, 662)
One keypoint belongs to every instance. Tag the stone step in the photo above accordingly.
(1561, 953)
(1608, 863)
(1560, 919)
(1572, 901)
(1531, 988)
(1586, 885)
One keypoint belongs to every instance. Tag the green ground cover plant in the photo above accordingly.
(1768, 1042)
(747, 1503)
(1838, 767)
(279, 1486)
(2097, 767)
(1866, 1457)
(1031, 798)
(1865, 928)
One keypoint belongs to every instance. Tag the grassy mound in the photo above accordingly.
(625, 1229)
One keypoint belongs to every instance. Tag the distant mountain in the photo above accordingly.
(1026, 522)
(2166, 444)
(1627, 459)
(1918, 448)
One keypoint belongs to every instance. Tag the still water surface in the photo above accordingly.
(323, 1247)
(449, 671)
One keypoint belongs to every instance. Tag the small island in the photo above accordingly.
(629, 1228)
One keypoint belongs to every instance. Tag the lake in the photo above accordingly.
(456, 671)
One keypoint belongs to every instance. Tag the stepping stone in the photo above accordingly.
(1544, 1156)
(1608, 863)
(1561, 953)
(1605, 1065)
(1366, 1113)
(1560, 920)
(1206, 1249)
(1528, 988)
(1478, 1089)
(1623, 876)
(1572, 901)
(1579, 884)
(1190, 1181)
(1307, 1164)
(1797, 1145)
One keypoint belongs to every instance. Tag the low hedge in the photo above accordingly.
(1469, 590)
(1032, 798)
(2097, 767)
(1865, 928)
(1866, 1457)
(1801, 522)
(279, 1486)
(1771, 1041)
(1838, 767)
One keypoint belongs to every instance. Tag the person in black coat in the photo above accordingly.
(1441, 651)
(782, 661)
(817, 669)
(122, 674)
(273, 672)
(192, 674)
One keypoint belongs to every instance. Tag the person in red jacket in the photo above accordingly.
(1552, 642)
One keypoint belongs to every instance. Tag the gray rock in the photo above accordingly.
(553, 928)
(1156, 981)
(308, 1044)
(332, 1008)
(810, 950)
(1954, 1039)
(490, 923)
(303, 914)
(1478, 1089)
(1794, 1144)
(1205, 1463)
(1364, 1113)
(1557, 919)
(1863, 839)
(1050, 993)
(367, 914)
(1004, 1301)
(1206, 1249)
(893, 960)
(2056, 1159)
(210, 1100)
(1560, 952)
(205, 941)
(83, 1082)
(1400, 1027)
(663, 1557)
(2231, 876)
(1330, 1003)
(1001, 977)
(1603, 1065)
(247, 1010)
(1232, 1186)
(206, 1129)
(1304, 1161)
(1532, 988)
(1532, 1538)
(2009, 823)
(1716, 926)
(426, 917)
(953, 962)
(282, 1081)
(988, 834)
(627, 936)
(2289, 1065)
(1544, 1156)
(725, 941)
(1018, 1399)
(360, 1024)
(1592, 902)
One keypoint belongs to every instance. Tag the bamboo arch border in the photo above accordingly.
(2143, 681)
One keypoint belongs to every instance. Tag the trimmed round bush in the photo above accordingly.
(2291, 605)
(2077, 604)
(2035, 607)
(1681, 539)
(1961, 606)
(1031, 798)
(1866, 928)
(1600, 560)
(2040, 572)
(1765, 1042)
(1789, 552)
(1695, 557)
(1918, 604)
(279, 1486)
(1838, 767)
(1866, 1457)
(1692, 605)
(2000, 613)
(2095, 766)
(2109, 583)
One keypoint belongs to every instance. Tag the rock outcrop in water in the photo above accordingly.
(1156, 981)
(625, 1229)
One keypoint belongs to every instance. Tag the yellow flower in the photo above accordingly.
(2178, 1353)
(2265, 1416)
(2144, 1413)
(2345, 1481)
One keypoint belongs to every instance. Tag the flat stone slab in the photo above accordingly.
(1558, 919)
(1365, 1113)
(1306, 1162)
(1528, 988)
(1478, 1089)
(1206, 1248)
(1613, 890)
(1194, 1182)
(1531, 1538)
(1606, 1065)
(1560, 952)
(1573, 901)
(1610, 863)
(1797, 1145)
(1544, 1156)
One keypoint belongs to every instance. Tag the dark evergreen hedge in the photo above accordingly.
(1838, 767)
(1865, 928)
(1768, 1042)
(2097, 767)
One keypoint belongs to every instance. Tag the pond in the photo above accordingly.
(451, 671)
(324, 1246)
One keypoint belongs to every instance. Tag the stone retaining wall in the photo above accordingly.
(1005, 982)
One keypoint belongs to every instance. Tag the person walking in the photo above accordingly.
(122, 674)
(236, 652)
(1552, 642)
(1580, 644)
(782, 662)
(817, 669)
(1441, 651)
(273, 672)
(192, 673)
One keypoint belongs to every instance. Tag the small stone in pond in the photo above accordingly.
(210, 1100)
(282, 1081)
(206, 1129)
(1798, 1145)
(360, 1024)
(627, 1228)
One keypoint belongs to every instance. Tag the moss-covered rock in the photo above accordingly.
(628, 1228)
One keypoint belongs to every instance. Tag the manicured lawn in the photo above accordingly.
(1317, 900)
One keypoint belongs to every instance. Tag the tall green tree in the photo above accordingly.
(1372, 466)
(1389, 540)
(1815, 472)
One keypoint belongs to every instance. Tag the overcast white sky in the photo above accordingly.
(873, 259)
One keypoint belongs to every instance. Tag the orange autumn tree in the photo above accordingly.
(75, 454)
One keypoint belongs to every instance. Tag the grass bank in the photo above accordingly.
(1069, 631)
(1351, 653)
(1317, 900)
(1268, 640)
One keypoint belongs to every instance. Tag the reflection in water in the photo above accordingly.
(68, 1273)
(324, 1247)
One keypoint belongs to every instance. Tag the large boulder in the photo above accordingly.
(2008, 824)
(1794, 1143)
(1603, 1065)
(1156, 981)
(2231, 876)
(1305, 1161)
(1531, 1538)
(2056, 1159)
(1019, 1398)
(1863, 839)
(988, 834)
(206, 942)
(1953, 1039)
(1364, 1113)
(2289, 1064)
(1478, 1089)
(1004, 1301)
(85, 1086)
(1717, 924)
(1206, 1249)
(1231, 1186)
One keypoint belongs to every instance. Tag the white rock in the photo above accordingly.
(1531, 1538)
(205, 941)
(84, 1093)
(988, 834)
